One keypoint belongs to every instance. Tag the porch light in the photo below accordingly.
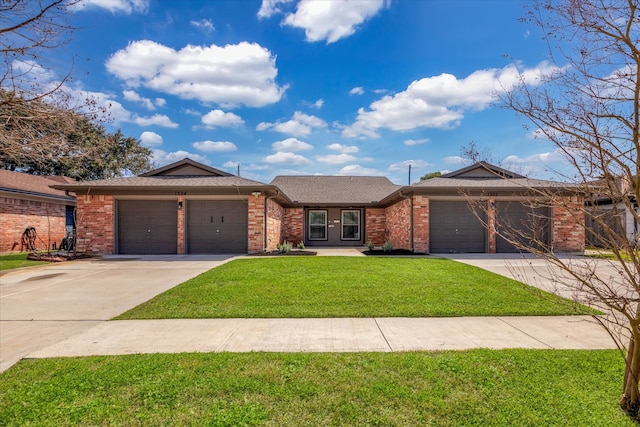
(179, 204)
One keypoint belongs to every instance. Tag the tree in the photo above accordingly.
(471, 154)
(40, 139)
(430, 175)
(589, 108)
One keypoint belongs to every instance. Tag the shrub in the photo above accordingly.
(284, 247)
(301, 245)
(370, 245)
(387, 246)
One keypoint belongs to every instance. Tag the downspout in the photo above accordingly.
(266, 217)
(410, 217)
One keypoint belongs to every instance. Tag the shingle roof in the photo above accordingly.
(497, 183)
(337, 190)
(25, 183)
(140, 182)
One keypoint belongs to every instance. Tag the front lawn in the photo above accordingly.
(470, 388)
(297, 287)
(16, 260)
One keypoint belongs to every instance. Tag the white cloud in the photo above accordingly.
(270, 8)
(454, 160)
(357, 170)
(157, 120)
(357, 91)
(291, 145)
(219, 118)
(317, 105)
(113, 6)
(203, 24)
(416, 141)
(332, 20)
(214, 146)
(336, 159)
(150, 139)
(161, 157)
(147, 103)
(300, 125)
(287, 158)
(440, 101)
(404, 165)
(230, 75)
(345, 149)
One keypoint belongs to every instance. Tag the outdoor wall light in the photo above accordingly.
(256, 193)
(180, 205)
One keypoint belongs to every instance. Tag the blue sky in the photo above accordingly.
(312, 87)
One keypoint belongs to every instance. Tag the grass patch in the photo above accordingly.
(296, 287)
(470, 388)
(17, 260)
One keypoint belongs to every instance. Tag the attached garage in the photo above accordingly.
(217, 226)
(521, 223)
(147, 227)
(455, 228)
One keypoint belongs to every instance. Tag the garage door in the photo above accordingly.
(216, 227)
(518, 222)
(454, 228)
(147, 227)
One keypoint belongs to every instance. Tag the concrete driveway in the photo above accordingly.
(45, 305)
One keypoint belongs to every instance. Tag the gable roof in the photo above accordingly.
(179, 175)
(34, 185)
(484, 176)
(335, 190)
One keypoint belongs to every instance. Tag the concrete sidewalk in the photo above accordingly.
(331, 335)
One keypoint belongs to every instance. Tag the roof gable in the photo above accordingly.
(20, 182)
(186, 167)
(482, 170)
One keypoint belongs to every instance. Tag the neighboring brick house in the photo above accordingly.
(187, 207)
(28, 201)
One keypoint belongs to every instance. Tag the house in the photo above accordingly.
(29, 201)
(187, 207)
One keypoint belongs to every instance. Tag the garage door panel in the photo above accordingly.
(217, 226)
(521, 224)
(455, 228)
(147, 227)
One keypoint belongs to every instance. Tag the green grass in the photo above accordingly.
(17, 260)
(349, 287)
(470, 388)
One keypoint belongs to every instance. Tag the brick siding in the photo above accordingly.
(568, 224)
(94, 223)
(375, 222)
(49, 220)
(398, 224)
(256, 224)
(275, 224)
(293, 226)
(421, 224)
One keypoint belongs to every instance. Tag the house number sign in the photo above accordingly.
(180, 193)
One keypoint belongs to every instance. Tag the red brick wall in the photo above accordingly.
(94, 223)
(256, 224)
(181, 226)
(568, 224)
(16, 215)
(275, 224)
(421, 224)
(398, 227)
(375, 222)
(293, 226)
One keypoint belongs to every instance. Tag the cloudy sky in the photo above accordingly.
(331, 87)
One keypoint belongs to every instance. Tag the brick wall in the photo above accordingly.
(49, 220)
(181, 226)
(398, 224)
(275, 224)
(293, 226)
(568, 224)
(375, 222)
(256, 223)
(421, 224)
(94, 223)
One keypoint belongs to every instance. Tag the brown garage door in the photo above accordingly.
(454, 228)
(521, 223)
(217, 226)
(147, 227)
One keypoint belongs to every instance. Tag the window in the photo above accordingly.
(317, 225)
(351, 225)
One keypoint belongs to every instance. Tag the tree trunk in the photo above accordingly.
(630, 401)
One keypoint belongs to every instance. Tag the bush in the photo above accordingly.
(301, 245)
(284, 247)
(387, 246)
(370, 245)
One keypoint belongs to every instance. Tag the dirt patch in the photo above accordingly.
(56, 257)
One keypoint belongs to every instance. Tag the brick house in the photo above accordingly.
(187, 207)
(29, 201)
